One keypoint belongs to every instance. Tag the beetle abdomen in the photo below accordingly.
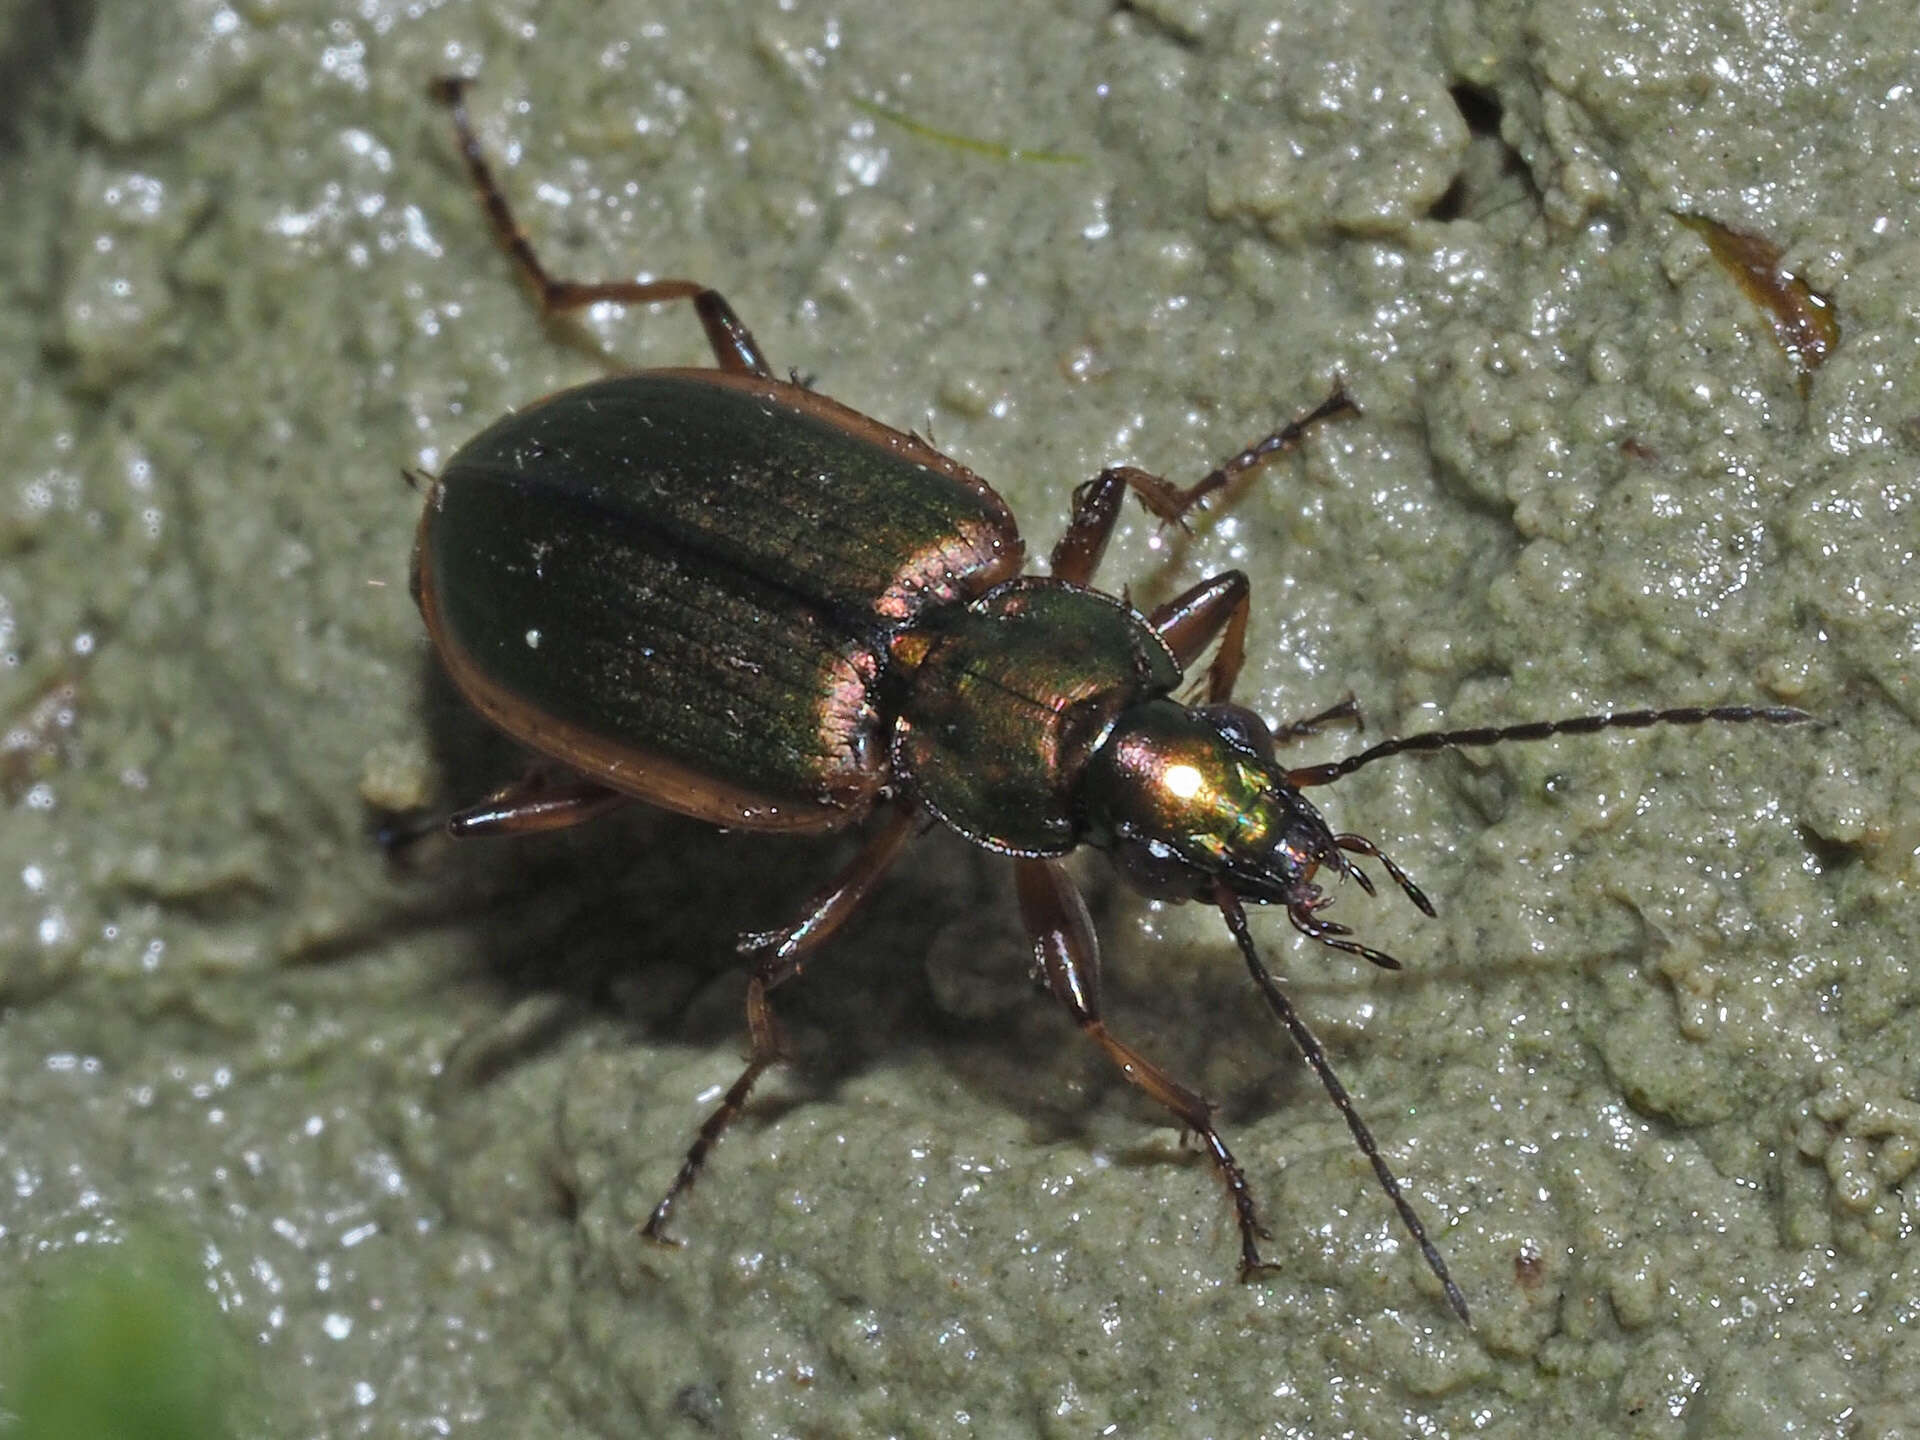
(684, 584)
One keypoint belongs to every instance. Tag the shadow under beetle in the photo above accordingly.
(722, 593)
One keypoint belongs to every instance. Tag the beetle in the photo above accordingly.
(723, 593)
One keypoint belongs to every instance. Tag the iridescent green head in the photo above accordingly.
(1187, 799)
(1184, 795)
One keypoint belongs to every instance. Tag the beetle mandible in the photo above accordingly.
(652, 580)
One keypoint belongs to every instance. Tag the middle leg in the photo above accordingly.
(1096, 504)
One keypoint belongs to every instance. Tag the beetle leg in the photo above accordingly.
(539, 800)
(1096, 509)
(1172, 504)
(1188, 623)
(1096, 504)
(766, 1050)
(1345, 712)
(1069, 954)
(781, 952)
(734, 347)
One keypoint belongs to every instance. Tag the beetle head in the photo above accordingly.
(1188, 798)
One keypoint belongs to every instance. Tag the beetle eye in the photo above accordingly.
(1241, 726)
(1156, 870)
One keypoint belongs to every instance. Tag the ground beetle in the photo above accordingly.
(728, 595)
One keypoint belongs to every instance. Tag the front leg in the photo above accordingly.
(1069, 953)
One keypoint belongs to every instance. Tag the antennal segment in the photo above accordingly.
(1544, 730)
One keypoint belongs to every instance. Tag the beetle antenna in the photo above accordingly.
(1545, 729)
(1316, 1058)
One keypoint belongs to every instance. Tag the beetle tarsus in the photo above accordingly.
(766, 1053)
(1342, 712)
(655, 1227)
(1253, 1267)
(1278, 442)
